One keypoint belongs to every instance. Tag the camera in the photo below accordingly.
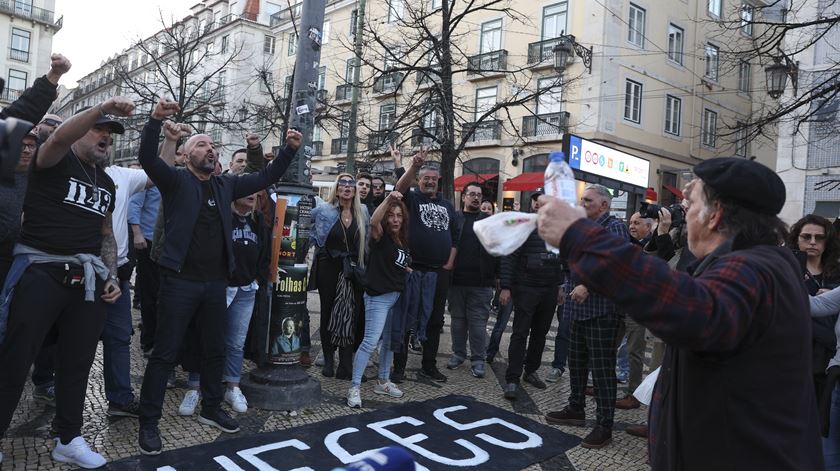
(651, 210)
(12, 132)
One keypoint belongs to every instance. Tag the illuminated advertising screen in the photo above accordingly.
(587, 156)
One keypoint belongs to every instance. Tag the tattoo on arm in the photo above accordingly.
(109, 245)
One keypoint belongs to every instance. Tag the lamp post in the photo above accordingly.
(778, 73)
(565, 51)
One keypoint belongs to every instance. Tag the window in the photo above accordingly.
(714, 7)
(741, 140)
(709, 132)
(744, 77)
(348, 70)
(20, 45)
(633, 101)
(675, 43)
(293, 40)
(322, 77)
(393, 56)
(549, 101)
(636, 33)
(224, 44)
(387, 116)
(344, 126)
(288, 84)
(491, 36)
(673, 110)
(395, 10)
(712, 62)
(325, 33)
(485, 98)
(554, 20)
(268, 44)
(747, 19)
(436, 4)
(23, 7)
(17, 80)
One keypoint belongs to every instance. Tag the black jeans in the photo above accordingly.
(148, 285)
(532, 314)
(40, 302)
(432, 343)
(180, 301)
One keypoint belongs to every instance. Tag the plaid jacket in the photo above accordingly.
(735, 390)
(595, 305)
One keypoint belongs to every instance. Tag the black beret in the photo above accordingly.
(744, 182)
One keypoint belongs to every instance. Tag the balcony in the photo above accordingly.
(227, 19)
(388, 83)
(490, 63)
(488, 130)
(427, 78)
(549, 124)
(18, 55)
(26, 10)
(9, 95)
(424, 136)
(542, 51)
(317, 148)
(344, 92)
(338, 146)
(378, 141)
(283, 15)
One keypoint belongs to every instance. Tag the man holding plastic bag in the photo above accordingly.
(731, 327)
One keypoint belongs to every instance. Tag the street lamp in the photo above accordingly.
(565, 51)
(778, 73)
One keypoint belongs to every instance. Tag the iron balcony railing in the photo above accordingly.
(542, 50)
(18, 55)
(10, 95)
(424, 136)
(388, 82)
(28, 11)
(547, 124)
(488, 130)
(495, 61)
(425, 77)
(338, 146)
(380, 140)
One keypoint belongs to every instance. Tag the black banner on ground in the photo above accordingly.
(445, 433)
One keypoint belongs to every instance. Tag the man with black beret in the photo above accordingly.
(734, 391)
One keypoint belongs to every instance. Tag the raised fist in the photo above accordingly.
(59, 64)
(164, 108)
(118, 106)
(252, 140)
(293, 139)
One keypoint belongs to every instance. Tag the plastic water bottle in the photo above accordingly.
(560, 183)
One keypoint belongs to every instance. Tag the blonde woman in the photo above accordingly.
(339, 232)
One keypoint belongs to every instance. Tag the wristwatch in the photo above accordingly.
(114, 278)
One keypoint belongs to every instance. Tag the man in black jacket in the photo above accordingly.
(195, 263)
(532, 276)
(472, 288)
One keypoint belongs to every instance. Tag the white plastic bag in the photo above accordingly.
(503, 233)
(644, 392)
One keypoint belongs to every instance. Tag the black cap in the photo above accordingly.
(744, 182)
(115, 126)
(537, 193)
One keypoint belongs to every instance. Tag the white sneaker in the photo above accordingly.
(354, 397)
(237, 400)
(554, 375)
(188, 404)
(77, 452)
(319, 360)
(388, 389)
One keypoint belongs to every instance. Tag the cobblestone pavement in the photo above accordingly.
(27, 444)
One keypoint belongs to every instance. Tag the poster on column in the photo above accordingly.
(285, 322)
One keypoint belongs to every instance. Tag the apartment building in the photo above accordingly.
(661, 87)
(28, 27)
(808, 159)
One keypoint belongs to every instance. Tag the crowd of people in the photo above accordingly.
(725, 292)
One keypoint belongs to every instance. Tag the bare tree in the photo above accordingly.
(417, 68)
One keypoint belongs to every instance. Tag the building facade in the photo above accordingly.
(28, 27)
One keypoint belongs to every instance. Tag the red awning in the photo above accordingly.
(675, 191)
(525, 182)
(650, 195)
(462, 181)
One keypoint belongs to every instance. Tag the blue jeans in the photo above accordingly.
(622, 361)
(238, 318)
(831, 444)
(561, 340)
(116, 346)
(377, 325)
(502, 319)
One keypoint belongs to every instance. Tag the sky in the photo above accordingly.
(93, 30)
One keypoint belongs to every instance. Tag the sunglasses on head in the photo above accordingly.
(346, 182)
(51, 122)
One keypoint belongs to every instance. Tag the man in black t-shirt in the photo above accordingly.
(433, 236)
(64, 271)
(195, 261)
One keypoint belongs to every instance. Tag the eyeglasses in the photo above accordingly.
(344, 182)
(29, 146)
(473, 194)
(51, 122)
(363, 184)
(815, 237)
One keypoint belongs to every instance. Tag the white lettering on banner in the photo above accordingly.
(226, 463)
(331, 442)
(479, 456)
(166, 468)
(434, 216)
(533, 440)
(78, 195)
(250, 455)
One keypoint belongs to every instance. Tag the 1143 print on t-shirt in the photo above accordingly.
(85, 196)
